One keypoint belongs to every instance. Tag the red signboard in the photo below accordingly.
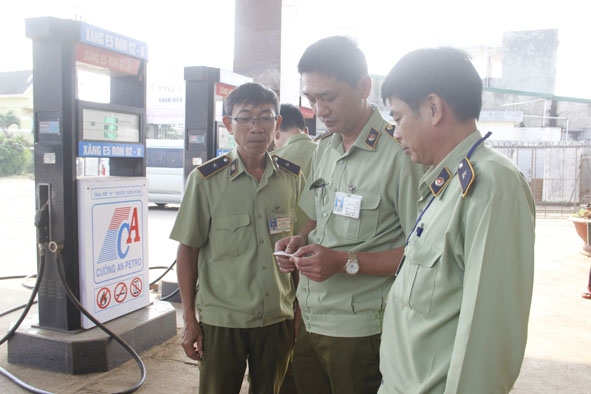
(222, 89)
(307, 112)
(107, 59)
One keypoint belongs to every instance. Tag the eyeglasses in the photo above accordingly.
(263, 120)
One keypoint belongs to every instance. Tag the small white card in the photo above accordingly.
(282, 253)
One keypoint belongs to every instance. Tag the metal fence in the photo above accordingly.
(559, 173)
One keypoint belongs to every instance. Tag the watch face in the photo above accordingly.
(352, 267)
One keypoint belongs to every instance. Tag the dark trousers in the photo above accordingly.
(336, 365)
(227, 350)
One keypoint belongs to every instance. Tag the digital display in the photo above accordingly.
(110, 126)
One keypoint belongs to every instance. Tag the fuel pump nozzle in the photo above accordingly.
(42, 224)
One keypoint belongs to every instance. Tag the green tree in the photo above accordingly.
(7, 120)
(15, 156)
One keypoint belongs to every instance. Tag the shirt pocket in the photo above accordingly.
(423, 263)
(230, 234)
(366, 225)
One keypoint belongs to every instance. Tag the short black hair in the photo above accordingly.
(251, 93)
(292, 117)
(335, 56)
(445, 71)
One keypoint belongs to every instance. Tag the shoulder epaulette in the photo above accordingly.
(372, 138)
(213, 166)
(466, 175)
(323, 136)
(440, 182)
(287, 165)
(390, 128)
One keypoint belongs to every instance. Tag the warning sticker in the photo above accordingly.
(120, 292)
(135, 288)
(103, 298)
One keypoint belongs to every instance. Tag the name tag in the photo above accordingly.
(279, 225)
(348, 205)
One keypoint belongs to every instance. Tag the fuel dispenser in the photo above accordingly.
(91, 191)
(205, 91)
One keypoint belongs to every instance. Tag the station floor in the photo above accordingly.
(558, 356)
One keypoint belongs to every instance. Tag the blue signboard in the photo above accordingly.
(113, 42)
(108, 149)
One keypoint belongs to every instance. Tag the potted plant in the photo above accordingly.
(582, 221)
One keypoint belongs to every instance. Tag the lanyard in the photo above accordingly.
(419, 230)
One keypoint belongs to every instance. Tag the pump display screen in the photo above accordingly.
(110, 126)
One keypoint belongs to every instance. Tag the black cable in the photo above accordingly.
(129, 349)
(175, 292)
(27, 277)
(21, 383)
(16, 326)
(23, 283)
(28, 305)
(16, 308)
(74, 300)
(169, 296)
(164, 273)
(13, 277)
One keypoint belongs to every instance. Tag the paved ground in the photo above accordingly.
(558, 356)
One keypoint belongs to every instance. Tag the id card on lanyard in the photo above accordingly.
(347, 204)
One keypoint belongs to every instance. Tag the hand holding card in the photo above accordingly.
(282, 253)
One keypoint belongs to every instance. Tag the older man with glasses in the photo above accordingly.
(235, 208)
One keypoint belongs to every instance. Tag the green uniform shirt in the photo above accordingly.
(229, 215)
(457, 315)
(298, 149)
(377, 169)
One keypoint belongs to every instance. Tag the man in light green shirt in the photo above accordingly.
(457, 314)
(292, 141)
(235, 208)
(360, 198)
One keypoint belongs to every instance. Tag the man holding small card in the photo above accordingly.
(361, 199)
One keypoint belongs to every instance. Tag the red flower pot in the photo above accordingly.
(582, 226)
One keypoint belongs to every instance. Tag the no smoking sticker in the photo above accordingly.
(120, 292)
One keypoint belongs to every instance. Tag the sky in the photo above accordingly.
(182, 33)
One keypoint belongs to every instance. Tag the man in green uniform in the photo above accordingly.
(360, 198)
(457, 314)
(234, 209)
(292, 141)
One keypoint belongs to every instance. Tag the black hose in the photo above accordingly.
(16, 326)
(75, 301)
(16, 308)
(129, 349)
(21, 383)
(29, 303)
(169, 296)
(27, 277)
(164, 273)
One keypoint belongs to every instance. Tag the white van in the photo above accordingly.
(164, 171)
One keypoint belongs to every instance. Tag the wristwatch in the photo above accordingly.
(352, 266)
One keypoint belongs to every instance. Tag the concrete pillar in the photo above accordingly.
(257, 41)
